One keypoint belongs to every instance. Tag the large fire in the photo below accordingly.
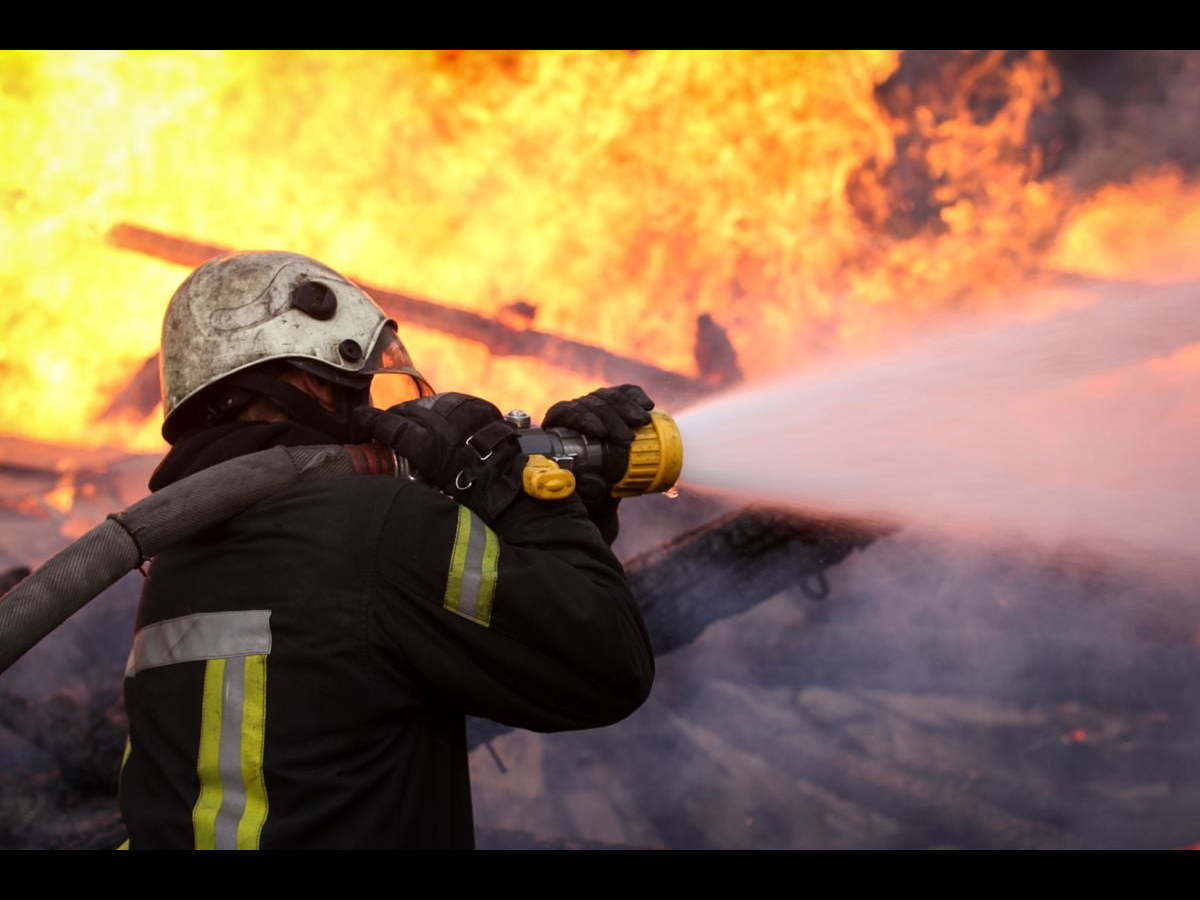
(714, 215)
(621, 194)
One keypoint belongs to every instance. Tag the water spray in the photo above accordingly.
(1077, 432)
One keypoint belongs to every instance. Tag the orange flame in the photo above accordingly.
(622, 194)
(1141, 231)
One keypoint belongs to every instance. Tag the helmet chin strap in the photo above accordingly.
(300, 407)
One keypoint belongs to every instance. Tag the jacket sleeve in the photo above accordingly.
(530, 623)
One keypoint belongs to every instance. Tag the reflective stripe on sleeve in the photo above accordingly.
(474, 568)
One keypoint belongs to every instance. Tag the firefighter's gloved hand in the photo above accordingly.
(610, 415)
(458, 443)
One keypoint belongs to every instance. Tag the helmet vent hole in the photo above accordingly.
(315, 299)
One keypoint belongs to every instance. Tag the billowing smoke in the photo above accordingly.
(1095, 117)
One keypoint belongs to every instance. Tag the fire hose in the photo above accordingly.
(126, 540)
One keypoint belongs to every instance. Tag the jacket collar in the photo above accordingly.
(203, 447)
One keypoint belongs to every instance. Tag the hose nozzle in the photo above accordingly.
(655, 457)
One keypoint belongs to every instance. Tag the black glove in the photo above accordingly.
(458, 443)
(610, 415)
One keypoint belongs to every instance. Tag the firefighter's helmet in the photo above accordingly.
(240, 310)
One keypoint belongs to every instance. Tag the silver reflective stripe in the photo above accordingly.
(218, 635)
(233, 790)
(473, 569)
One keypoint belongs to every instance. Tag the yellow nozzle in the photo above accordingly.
(544, 479)
(655, 458)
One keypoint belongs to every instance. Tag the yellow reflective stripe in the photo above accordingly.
(471, 582)
(458, 561)
(124, 760)
(208, 804)
(254, 720)
(487, 581)
(120, 775)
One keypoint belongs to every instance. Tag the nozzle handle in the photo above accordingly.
(544, 479)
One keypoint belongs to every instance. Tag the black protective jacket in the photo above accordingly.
(300, 673)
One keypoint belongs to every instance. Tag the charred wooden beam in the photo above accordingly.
(726, 567)
(140, 395)
(671, 389)
(715, 357)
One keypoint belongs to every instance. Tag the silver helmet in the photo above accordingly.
(242, 309)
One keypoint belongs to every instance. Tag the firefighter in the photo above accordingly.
(300, 674)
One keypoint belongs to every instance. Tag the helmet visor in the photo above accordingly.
(391, 388)
(396, 379)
